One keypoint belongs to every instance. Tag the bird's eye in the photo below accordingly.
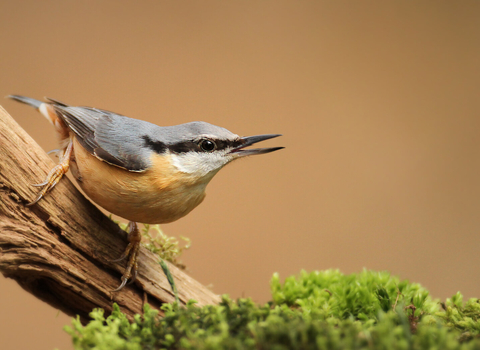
(207, 145)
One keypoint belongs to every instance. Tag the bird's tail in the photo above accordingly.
(46, 109)
(27, 100)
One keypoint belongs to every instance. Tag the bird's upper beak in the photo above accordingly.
(250, 140)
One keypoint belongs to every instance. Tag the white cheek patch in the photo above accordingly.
(199, 164)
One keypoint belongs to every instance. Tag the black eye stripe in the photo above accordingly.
(157, 146)
(223, 144)
(183, 147)
(193, 146)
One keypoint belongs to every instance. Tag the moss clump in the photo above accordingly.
(332, 295)
(463, 317)
(167, 248)
(319, 310)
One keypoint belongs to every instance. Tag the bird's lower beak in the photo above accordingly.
(250, 140)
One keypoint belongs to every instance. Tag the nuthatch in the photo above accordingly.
(138, 170)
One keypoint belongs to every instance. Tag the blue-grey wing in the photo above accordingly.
(112, 138)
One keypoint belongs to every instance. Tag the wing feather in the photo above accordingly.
(110, 137)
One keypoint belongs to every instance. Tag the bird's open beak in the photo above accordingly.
(250, 140)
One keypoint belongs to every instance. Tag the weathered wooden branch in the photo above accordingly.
(60, 249)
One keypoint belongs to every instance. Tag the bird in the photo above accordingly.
(137, 170)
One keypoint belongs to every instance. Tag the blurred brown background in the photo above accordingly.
(378, 103)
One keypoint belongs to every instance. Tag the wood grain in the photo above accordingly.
(60, 249)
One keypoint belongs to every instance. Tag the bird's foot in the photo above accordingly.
(54, 175)
(131, 252)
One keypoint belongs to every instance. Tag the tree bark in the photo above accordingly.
(60, 249)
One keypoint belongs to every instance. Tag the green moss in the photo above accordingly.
(331, 294)
(464, 317)
(167, 248)
(319, 310)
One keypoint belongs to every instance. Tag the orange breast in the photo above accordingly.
(161, 194)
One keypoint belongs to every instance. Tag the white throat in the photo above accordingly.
(200, 164)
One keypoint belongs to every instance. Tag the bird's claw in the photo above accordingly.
(54, 175)
(131, 271)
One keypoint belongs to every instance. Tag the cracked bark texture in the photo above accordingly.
(60, 249)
